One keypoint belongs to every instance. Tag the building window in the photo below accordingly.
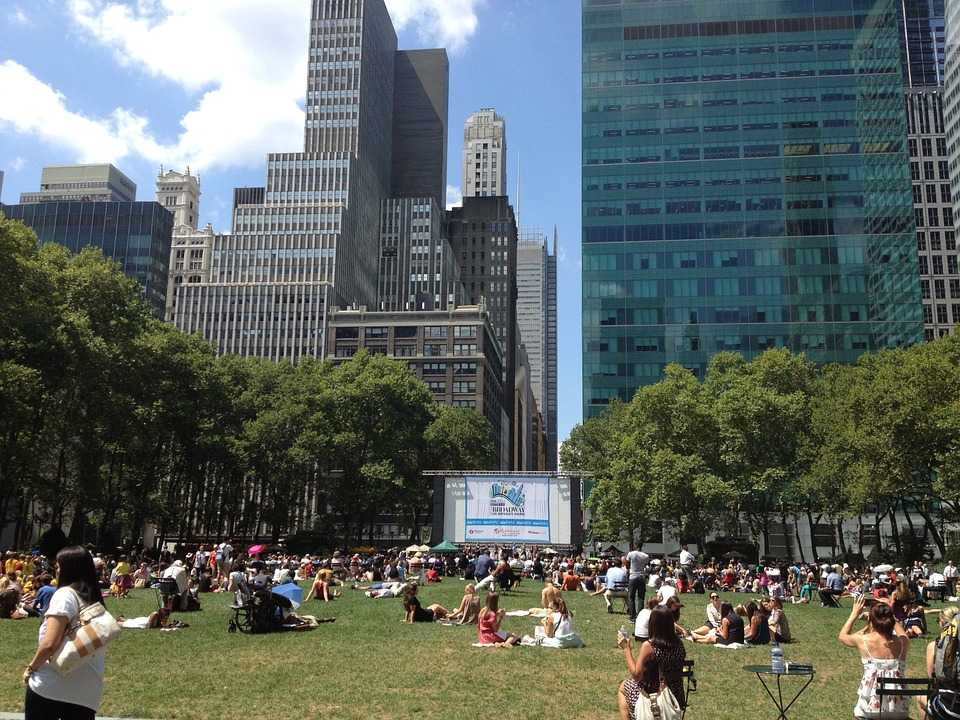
(379, 333)
(434, 349)
(435, 331)
(465, 387)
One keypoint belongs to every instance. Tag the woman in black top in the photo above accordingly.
(415, 612)
(659, 664)
(731, 626)
(758, 632)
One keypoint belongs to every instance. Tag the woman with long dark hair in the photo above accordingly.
(659, 664)
(50, 694)
(883, 652)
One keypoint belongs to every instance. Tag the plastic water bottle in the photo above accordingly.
(777, 664)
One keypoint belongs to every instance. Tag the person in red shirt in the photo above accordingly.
(571, 581)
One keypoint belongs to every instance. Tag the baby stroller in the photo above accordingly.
(258, 611)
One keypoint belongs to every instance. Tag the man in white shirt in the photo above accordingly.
(666, 591)
(638, 580)
(687, 559)
(616, 583)
(179, 573)
(950, 576)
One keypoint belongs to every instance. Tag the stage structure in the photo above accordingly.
(507, 508)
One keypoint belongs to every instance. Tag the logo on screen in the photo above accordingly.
(513, 493)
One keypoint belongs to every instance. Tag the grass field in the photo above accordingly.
(369, 664)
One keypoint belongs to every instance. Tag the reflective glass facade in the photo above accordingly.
(135, 234)
(746, 185)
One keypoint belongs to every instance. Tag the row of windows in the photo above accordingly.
(628, 78)
(615, 56)
(936, 263)
(730, 343)
(779, 26)
(940, 289)
(941, 314)
(764, 257)
(740, 97)
(808, 227)
(746, 314)
(771, 121)
(615, 155)
(811, 201)
(730, 287)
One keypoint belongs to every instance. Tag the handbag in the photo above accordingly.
(93, 629)
(657, 706)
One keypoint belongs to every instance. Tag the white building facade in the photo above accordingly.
(484, 154)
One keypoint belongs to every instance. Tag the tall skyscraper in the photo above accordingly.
(1, 185)
(951, 98)
(313, 242)
(483, 236)
(180, 194)
(551, 415)
(537, 325)
(745, 186)
(82, 183)
(418, 270)
(420, 100)
(923, 41)
(484, 155)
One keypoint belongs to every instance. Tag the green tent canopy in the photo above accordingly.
(445, 547)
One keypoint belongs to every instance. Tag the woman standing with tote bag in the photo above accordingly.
(51, 694)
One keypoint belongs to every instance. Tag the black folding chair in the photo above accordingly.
(889, 687)
(690, 684)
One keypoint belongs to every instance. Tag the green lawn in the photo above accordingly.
(369, 664)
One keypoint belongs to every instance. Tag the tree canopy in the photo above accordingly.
(110, 419)
(775, 436)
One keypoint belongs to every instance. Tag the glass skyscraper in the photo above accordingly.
(746, 185)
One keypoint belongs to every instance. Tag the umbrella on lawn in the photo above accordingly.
(255, 549)
(882, 568)
(548, 551)
(445, 547)
(413, 549)
(423, 549)
(291, 591)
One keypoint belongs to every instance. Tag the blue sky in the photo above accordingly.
(219, 83)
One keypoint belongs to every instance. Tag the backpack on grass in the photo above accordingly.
(946, 663)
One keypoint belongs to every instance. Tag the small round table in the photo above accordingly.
(765, 670)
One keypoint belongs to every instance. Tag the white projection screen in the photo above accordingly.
(507, 508)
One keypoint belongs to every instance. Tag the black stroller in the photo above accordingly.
(258, 611)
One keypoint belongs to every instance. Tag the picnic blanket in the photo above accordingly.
(484, 645)
(732, 646)
(518, 613)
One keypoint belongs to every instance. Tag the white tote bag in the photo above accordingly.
(657, 706)
(93, 629)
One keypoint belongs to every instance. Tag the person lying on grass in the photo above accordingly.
(415, 612)
(488, 624)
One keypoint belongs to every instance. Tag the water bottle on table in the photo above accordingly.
(777, 664)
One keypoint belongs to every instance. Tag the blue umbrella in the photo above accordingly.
(291, 591)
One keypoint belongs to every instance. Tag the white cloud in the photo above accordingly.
(17, 164)
(454, 196)
(245, 61)
(449, 23)
(34, 108)
(19, 16)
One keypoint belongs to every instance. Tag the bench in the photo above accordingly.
(891, 687)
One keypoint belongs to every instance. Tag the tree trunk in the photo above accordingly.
(895, 530)
(796, 534)
(932, 529)
(839, 536)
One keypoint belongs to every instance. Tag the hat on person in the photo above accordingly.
(178, 563)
